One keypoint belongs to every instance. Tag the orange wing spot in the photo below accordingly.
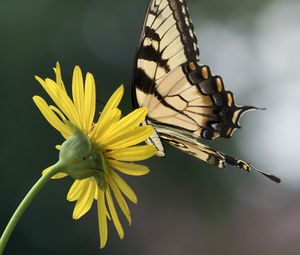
(219, 84)
(192, 66)
(204, 72)
(229, 99)
(229, 131)
(235, 116)
(216, 134)
(246, 166)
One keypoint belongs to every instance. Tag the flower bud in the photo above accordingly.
(79, 157)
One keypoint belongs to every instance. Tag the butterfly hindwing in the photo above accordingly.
(191, 145)
(188, 144)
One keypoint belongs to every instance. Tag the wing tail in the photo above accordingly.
(192, 146)
(248, 167)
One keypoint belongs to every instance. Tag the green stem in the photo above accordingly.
(24, 204)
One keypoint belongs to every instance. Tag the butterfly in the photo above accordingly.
(186, 103)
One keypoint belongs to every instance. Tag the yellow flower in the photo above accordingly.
(115, 139)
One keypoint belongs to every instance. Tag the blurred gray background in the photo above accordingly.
(185, 206)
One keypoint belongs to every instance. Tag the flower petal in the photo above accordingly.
(129, 168)
(78, 94)
(58, 112)
(135, 153)
(124, 187)
(130, 138)
(129, 122)
(61, 99)
(75, 190)
(59, 80)
(114, 214)
(57, 176)
(89, 101)
(113, 102)
(96, 194)
(102, 126)
(120, 199)
(85, 201)
(58, 147)
(102, 222)
(51, 117)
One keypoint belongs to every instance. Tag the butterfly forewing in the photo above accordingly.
(160, 48)
(169, 81)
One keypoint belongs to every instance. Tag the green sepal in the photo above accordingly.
(101, 182)
(78, 155)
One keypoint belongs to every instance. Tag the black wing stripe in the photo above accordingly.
(191, 48)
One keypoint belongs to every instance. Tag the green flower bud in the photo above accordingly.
(79, 157)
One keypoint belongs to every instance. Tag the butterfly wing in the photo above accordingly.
(191, 145)
(169, 81)
(181, 94)
(161, 47)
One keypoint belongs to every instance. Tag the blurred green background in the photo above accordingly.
(185, 206)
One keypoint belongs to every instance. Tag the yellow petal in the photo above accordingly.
(124, 187)
(96, 197)
(57, 176)
(114, 214)
(59, 80)
(61, 99)
(78, 94)
(58, 112)
(58, 147)
(135, 153)
(120, 199)
(85, 201)
(112, 103)
(102, 126)
(51, 117)
(129, 168)
(89, 101)
(102, 211)
(96, 194)
(130, 138)
(129, 122)
(75, 190)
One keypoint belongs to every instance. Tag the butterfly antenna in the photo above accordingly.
(270, 176)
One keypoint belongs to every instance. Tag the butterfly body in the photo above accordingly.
(185, 101)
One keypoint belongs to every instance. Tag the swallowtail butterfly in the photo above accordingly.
(185, 101)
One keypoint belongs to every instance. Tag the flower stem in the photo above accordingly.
(24, 204)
